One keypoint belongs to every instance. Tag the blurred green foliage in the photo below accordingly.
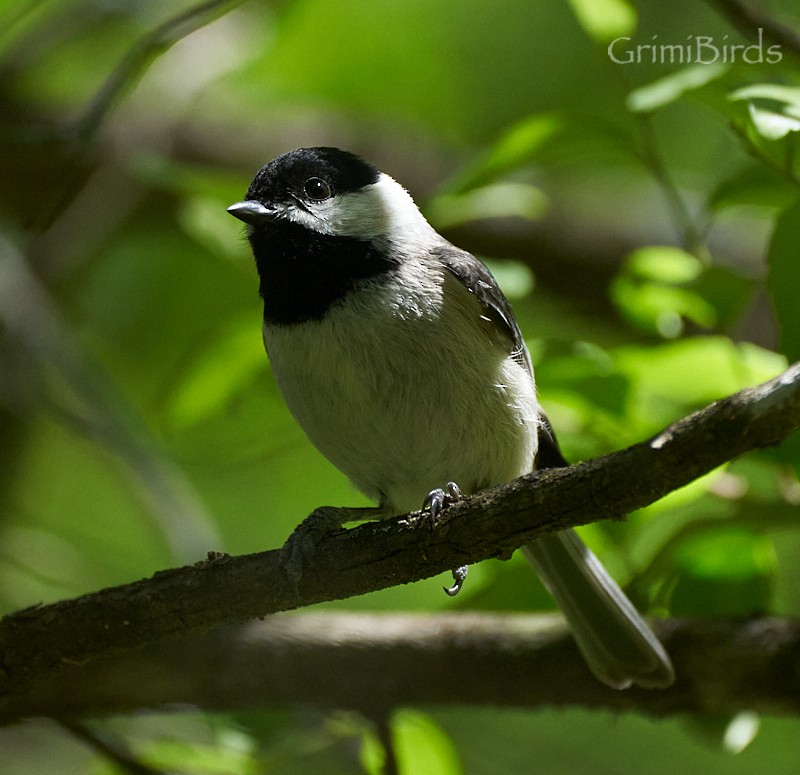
(643, 218)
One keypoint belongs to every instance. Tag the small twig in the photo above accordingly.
(785, 170)
(383, 729)
(691, 235)
(750, 20)
(649, 154)
(140, 55)
(110, 746)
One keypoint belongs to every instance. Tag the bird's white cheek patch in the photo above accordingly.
(315, 222)
(382, 211)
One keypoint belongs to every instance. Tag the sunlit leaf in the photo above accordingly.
(514, 278)
(741, 731)
(605, 20)
(775, 94)
(423, 746)
(372, 754)
(586, 398)
(773, 125)
(519, 146)
(180, 756)
(665, 90)
(697, 369)
(664, 264)
(501, 200)
(420, 745)
(649, 291)
(774, 109)
(660, 308)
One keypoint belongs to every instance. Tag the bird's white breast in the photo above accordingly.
(402, 398)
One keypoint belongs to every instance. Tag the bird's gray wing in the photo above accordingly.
(478, 280)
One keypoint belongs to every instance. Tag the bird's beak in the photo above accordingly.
(252, 213)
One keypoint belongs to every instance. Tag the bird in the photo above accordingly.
(402, 361)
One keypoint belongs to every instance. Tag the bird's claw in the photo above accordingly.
(459, 577)
(434, 502)
(439, 498)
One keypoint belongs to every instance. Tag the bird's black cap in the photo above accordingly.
(341, 170)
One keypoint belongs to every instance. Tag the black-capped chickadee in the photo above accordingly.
(402, 361)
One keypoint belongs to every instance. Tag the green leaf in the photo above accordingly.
(771, 124)
(664, 264)
(519, 146)
(420, 745)
(774, 109)
(648, 291)
(783, 280)
(754, 185)
(666, 90)
(699, 369)
(786, 98)
(423, 746)
(586, 398)
(741, 731)
(233, 755)
(661, 309)
(515, 279)
(732, 734)
(670, 379)
(500, 200)
(605, 20)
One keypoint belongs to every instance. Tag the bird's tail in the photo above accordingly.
(615, 640)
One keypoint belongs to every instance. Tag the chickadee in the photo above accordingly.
(402, 361)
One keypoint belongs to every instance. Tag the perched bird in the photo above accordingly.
(402, 361)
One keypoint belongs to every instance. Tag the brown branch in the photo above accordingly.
(376, 662)
(38, 643)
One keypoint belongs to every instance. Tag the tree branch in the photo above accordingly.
(376, 662)
(40, 642)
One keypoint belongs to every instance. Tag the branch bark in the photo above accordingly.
(40, 643)
(376, 662)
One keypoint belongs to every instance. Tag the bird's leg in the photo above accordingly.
(303, 541)
(435, 501)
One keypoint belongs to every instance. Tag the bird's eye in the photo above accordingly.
(316, 189)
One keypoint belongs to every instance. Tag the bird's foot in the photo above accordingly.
(305, 538)
(435, 501)
(440, 498)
